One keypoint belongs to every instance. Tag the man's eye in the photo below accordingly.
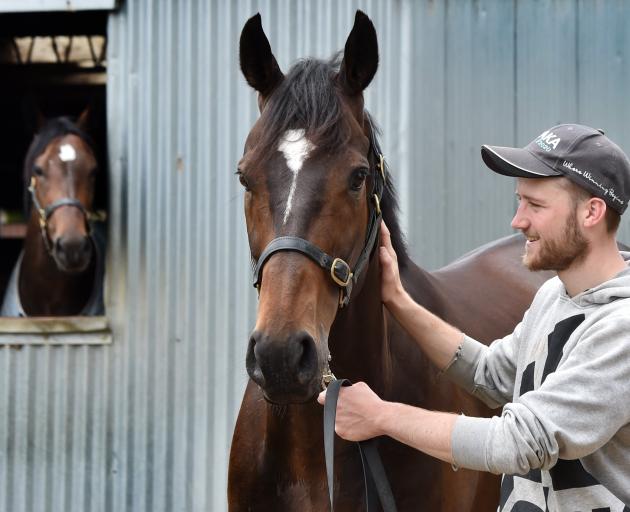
(38, 171)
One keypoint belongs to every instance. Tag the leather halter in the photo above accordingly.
(46, 212)
(340, 271)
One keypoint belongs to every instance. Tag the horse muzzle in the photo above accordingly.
(288, 369)
(72, 254)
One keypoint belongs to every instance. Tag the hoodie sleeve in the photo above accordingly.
(574, 412)
(487, 372)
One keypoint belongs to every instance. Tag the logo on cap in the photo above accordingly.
(587, 175)
(547, 139)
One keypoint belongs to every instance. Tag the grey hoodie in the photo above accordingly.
(563, 379)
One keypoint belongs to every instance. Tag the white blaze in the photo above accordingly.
(67, 153)
(295, 148)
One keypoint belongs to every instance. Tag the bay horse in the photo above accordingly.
(310, 169)
(60, 269)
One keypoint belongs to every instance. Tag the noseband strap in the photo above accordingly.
(46, 212)
(340, 271)
(65, 201)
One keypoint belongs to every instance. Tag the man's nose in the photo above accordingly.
(519, 221)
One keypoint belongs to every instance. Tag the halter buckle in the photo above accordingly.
(342, 279)
(97, 216)
(327, 377)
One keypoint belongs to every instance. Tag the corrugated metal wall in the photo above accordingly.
(144, 425)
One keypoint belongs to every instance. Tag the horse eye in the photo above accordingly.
(358, 178)
(243, 180)
(38, 171)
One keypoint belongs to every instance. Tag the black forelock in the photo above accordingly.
(308, 99)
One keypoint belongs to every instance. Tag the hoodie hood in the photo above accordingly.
(616, 288)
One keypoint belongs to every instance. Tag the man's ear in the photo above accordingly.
(258, 64)
(594, 211)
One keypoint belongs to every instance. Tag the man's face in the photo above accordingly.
(547, 216)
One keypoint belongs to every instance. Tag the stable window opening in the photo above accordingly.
(53, 204)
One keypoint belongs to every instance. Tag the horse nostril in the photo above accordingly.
(86, 246)
(307, 358)
(77, 246)
(251, 361)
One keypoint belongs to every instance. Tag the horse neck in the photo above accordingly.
(43, 288)
(358, 340)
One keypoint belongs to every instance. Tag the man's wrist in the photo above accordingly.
(382, 417)
(397, 300)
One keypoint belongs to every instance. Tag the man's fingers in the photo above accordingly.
(321, 398)
(386, 240)
(385, 256)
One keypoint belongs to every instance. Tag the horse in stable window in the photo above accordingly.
(311, 171)
(60, 269)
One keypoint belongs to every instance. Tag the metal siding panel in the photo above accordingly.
(546, 67)
(422, 177)
(604, 73)
(5, 395)
(480, 109)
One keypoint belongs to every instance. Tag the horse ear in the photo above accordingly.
(40, 120)
(83, 121)
(32, 115)
(257, 62)
(360, 56)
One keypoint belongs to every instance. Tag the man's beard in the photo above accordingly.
(560, 253)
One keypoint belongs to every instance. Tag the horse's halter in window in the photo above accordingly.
(340, 271)
(46, 212)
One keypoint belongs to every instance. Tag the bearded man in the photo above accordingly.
(562, 441)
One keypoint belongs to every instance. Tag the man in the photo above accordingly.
(563, 376)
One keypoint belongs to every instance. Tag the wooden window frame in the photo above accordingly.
(57, 5)
(61, 330)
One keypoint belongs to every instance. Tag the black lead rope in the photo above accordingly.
(374, 476)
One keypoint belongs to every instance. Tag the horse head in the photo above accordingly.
(311, 170)
(60, 170)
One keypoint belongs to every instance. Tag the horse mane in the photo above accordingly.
(310, 98)
(53, 128)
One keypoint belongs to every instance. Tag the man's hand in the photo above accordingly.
(391, 286)
(362, 415)
(358, 412)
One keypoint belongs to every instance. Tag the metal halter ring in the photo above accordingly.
(377, 204)
(381, 165)
(334, 275)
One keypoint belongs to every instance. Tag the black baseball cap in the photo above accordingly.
(580, 153)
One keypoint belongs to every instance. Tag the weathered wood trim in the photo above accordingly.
(68, 330)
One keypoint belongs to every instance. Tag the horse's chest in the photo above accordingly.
(302, 495)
